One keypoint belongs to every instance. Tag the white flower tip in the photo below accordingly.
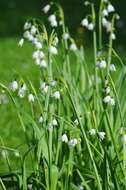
(31, 98)
(14, 86)
(124, 138)
(73, 142)
(73, 47)
(101, 135)
(53, 50)
(64, 138)
(21, 42)
(46, 8)
(56, 95)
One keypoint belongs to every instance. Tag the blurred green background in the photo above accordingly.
(13, 14)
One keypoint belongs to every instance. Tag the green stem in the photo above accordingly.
(100, 25)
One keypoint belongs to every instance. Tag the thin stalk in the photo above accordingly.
(67, 61)
(59, 142)
(110, 46)
(100, 25)
(2, 184)
(95, 59)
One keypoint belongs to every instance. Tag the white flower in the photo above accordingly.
(84, 22)
(107, 90)
(113, 36)
(105, 1)
(43, 63)
(56, 40)
(54, 23)
(112, 67)
(31, 98)
(56, 95)
(54, 122)
(33, 30)
(92, 132)
(22, 91)
(81, 187)
(76, 122)
(46, 8)
(52, 20)
(38, 45)
(101, 64)
(107, 24)
(28, 36)
(110, 8)
(105, 12)
(73, 142)
(35, 40)
(24, 87)
(65, 36)
(50, 127)
(90, 26)
(112, 102)
(21, 42)
(44, 87)
(30, 186)
(107, 99)
(27, 25)
(104, 22)
(53, 83)
(37, 61)
(101, 135)
(37, 54)
(109, 27)
(73, 47)
(124, 138)
(64, 138)
(53, 50)
(14, 85)
(40, 119)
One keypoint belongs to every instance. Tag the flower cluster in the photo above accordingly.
(44, 87)
(39, 58)
(52, 20)
(102, 64)
(52, 124)
(108, 99)
(72, 142)
(89, 25)
(107, 9)
(100, 134)
(22, 90)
